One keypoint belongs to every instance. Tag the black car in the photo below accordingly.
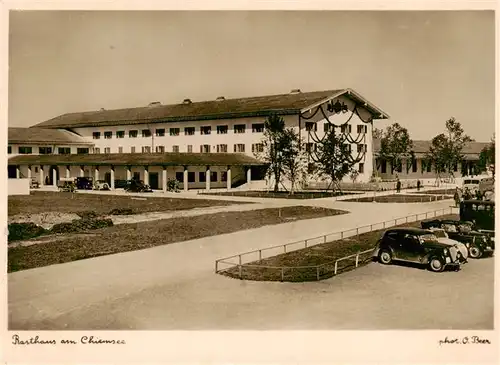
(479, 243)
(481, 212)
(84, 183)
(137, 186)
(418, 246)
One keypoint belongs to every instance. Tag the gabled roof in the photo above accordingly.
(422, 147)
(284, 104)
(44, 136)
(139, 159)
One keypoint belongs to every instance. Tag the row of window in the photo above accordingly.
(202, 176)
(205, 148)
(345, 128)
(26, 150)
(173, 132)
(310, 147)
(426, 167)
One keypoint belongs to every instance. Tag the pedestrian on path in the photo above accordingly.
(398, 186)
(418, 185)
(456, 197)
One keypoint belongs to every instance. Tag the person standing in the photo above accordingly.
(398, 186)
(456, 197)
(418, 185)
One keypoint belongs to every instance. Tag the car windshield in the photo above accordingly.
(427, 238)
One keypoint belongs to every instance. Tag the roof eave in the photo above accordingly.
(372, 108)
(263, 113)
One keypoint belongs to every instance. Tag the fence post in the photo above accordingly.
(395, 222)
(335, 269)
(317, 273)
(341, 234)
(406, 219)
(241, 271)
(324, 238)
(371, 227)
(260, 255)
(384, 224)
(305, 243)
(282, 274)
(357, 259)
(357, 233)
(284, 248)
(216, 264)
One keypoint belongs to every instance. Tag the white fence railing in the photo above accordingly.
(246, 259)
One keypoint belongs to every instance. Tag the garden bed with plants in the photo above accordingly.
(399, 198)
(136, 236)
(283, 194)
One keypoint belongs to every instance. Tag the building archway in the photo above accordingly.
(51, 175)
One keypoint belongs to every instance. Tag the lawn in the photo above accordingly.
(296, 262)
(42, 202)
(283, 194)
(129, 237)
(449, 191)
(400, 198)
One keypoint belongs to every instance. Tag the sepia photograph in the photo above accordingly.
(250, 171)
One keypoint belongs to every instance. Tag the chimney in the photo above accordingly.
(220, 98)
(186, 101)
(154, 103)
(295, 91)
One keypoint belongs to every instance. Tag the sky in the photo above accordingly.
(419, 67)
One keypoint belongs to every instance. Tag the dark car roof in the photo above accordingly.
(475, 201)
(412, 230)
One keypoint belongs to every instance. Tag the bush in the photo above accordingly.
(24, 231)
(173, 185)
(121, 211)
(87, 214)
(81, 225)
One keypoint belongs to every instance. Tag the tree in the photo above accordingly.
(395, 146)
(334, 159)
(487, 157)
(293, 157)
(274, 130)
(377, 133)
(445, 151)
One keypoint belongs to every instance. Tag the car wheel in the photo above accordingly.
(105, 187)
(385, 257)
(475, 252)
(436, 264)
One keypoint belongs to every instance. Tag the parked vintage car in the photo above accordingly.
(479, 243)
(418, 246)
(443, 237)
(66, 184)
(137, 186)
(101, 185)
(481, 212)
(84, 183)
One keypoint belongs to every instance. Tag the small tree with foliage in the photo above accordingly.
(445, 151)
(395, 146)
(294, 159)
(333, 159)
(273, 147)
(378, 133)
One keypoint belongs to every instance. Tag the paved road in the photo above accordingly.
(372, 297)
(38, 297)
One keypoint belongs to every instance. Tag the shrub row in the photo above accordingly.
(24, 231)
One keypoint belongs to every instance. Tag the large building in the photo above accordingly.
(208, 144)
